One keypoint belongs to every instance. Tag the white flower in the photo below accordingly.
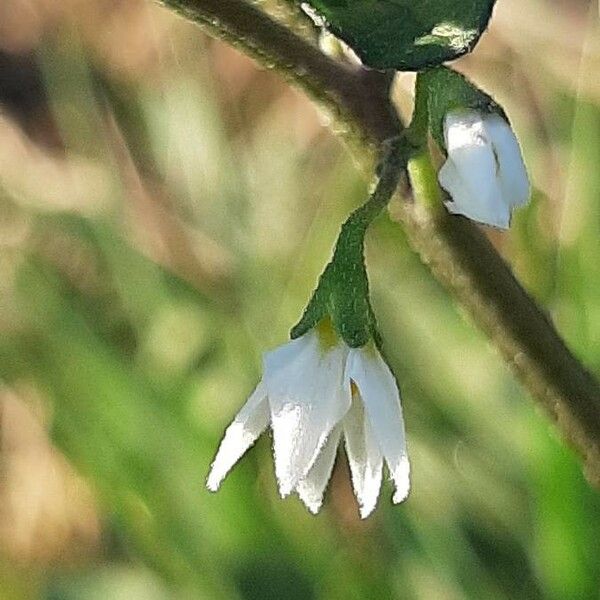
(314, 391)
(484, 173)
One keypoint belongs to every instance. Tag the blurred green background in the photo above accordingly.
(166, 208)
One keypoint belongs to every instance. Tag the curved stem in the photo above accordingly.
(459, 255)
(356, 98)
(465, 262)
(343, 289)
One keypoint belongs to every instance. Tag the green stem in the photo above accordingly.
(417, 131)
(424, 183)
(342, 293)
(392, 166)
(459, 255)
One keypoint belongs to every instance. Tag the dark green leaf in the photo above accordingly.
(407, 35)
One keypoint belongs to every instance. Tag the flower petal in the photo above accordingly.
(453, 183)
(307, 395)
(364, 457)
(381, 398)
(469, 174)
(248, 424)
(513, 175)
(312, 487)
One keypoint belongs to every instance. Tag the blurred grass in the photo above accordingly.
(166, 210)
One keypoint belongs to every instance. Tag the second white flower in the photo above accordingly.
(484, 172)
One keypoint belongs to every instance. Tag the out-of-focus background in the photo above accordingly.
(165, 210)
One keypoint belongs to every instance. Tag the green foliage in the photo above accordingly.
(403, 34)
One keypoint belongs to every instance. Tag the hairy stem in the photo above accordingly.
(343, 289)
(465, 262)
(459, 255)
(357, 99)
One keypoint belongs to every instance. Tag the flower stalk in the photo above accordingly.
(342, 293)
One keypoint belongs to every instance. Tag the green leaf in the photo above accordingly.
(406, 35)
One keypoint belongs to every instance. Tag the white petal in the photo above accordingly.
(364, 457)
(312, 487)
(512, 172)
(308, 397)
(248, 424)
(287, 354)
(381, 398)
(470, 173)
(452, 182)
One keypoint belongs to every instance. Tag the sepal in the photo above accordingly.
(440, 91)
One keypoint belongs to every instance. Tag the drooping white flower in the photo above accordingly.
(484, 173)
(315, 390)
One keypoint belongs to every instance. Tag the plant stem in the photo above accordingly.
(459, 255)
(357, 99)
(342, 293)
(463, 260)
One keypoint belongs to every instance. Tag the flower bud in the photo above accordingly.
(484, 172)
